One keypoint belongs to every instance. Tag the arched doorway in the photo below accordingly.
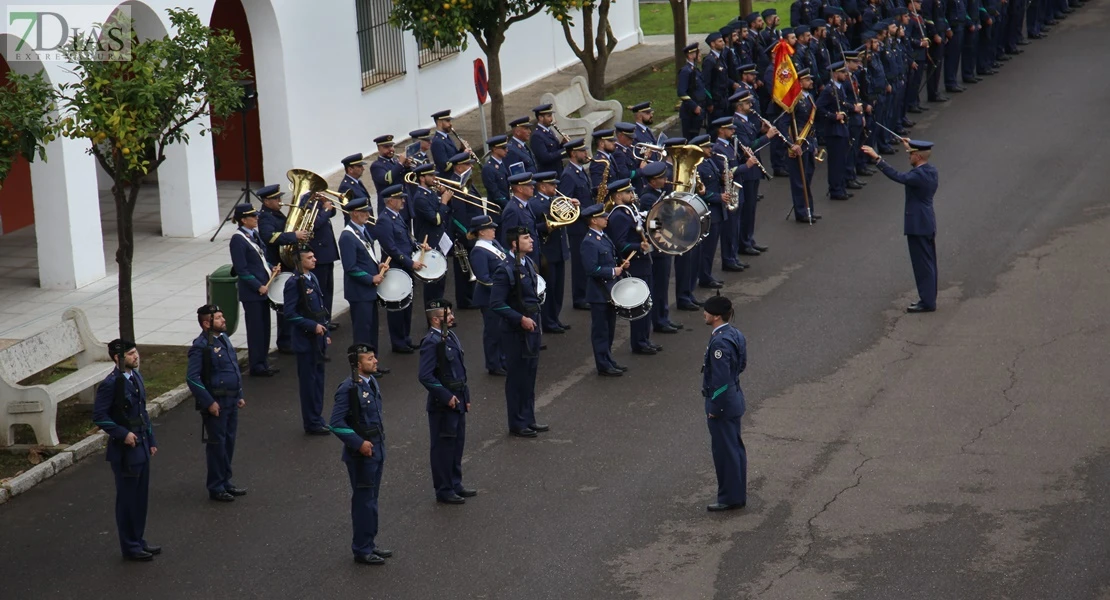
(228, 147)
(17, 209)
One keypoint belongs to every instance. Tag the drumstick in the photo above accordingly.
(273, 277)
(386, 263)
(624, 265)
(422, 248)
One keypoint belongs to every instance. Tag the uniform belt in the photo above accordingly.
(224, 393)
(454, 386)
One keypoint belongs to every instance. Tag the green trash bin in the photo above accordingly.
(223, 291)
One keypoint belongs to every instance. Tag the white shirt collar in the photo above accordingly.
(719, 326)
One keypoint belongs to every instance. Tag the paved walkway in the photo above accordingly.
(169, 272)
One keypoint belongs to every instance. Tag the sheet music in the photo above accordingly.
(445, 244)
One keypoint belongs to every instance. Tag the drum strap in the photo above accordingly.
(489, 247)
(362, 238)
(261, 254)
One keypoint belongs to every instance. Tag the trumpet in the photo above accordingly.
(565, 137)
(459, 192)
(642, 151)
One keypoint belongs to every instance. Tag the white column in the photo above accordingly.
(187, 187)
(67, 216)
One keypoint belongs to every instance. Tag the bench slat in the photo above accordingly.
(38, 352)
(80, 380)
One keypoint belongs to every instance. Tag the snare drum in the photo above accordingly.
(276, 292)
(632, 298)
(677, 222)
(395, 290)
(541, 288)
(435, 266)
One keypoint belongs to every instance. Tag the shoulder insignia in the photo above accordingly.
(718, 353)
(365, 394)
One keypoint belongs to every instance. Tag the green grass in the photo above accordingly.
(658, 86)
(705, 16)
(163, 369)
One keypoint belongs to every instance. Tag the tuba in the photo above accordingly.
(686, 160)
(306, 185)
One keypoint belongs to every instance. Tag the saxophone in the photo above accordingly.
(734, 203)
(603, 186)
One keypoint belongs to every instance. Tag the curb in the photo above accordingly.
(89, 446)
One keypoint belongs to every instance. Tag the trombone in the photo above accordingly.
(460, 193)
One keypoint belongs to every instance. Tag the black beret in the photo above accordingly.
(718, 305)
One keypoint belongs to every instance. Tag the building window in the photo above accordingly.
(380, 45)
(435, 53)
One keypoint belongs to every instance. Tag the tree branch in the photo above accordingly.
(567, 33)
(531, 12)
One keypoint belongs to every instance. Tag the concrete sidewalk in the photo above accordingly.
(169, 272)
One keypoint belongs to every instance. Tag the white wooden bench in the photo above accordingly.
(37, 405)
(594, 113)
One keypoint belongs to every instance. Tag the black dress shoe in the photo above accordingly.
(749, 252)
(222, 497)
(524, 433)
(954, 90)
(620, 366)
(333, 326)
(717, 507)
(452, 499)
(922, 107)
(498, 372)
(860, 183)
(1020, 43)
(1036, 36)
(920, 308)
(886, 150)
(844, 197)
(267, 373)
(466, 492)
(781, 173)
(805, 220)
(369, 559)
(689, 307)
(712, 285)
(234, 491)
(1006, 56)
(699, 303)
(321, 431)
(543, 346)
(152, 549)
(987, 72)
(760, 248)
(901, 131)
(939, 99)
(853, 185)
(554, 330)
(908, 123)
(142, 556)
(610, 372)
(675, 325)
(914, 109)
(733, 268)
(581, 306)
(403, 350)
(655, 346)
(650, 351)
(972, 80)
(665, 329)
(564, 326)
(814, 216)
(539, 427)
(382, 552)
(865, 172)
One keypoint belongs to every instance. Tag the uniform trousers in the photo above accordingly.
(838, 148)
(641, 328)
(603, 327)
(400, 327)
(447, 431)
(923, 256)
(730, 232)
(220, 447)
(747, 213)
(132, 492)
(802, 196)
(256, 316)
(686, 274)
(491, 340)
(364, 322)
(578, 277)
(709, 253)
(729, 459)
(522, 362)
(365, 474)
(325, 276)
(953, 51)
(464, 289)
(310, 381)
(556, 288)
(660, 288)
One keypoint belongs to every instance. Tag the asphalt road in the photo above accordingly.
(960, 454)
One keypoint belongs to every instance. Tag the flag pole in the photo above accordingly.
(802, 170)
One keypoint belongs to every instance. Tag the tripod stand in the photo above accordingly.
(250, 97)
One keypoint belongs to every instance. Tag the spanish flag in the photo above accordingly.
(787, 88)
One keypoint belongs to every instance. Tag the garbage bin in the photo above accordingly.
(223, 291)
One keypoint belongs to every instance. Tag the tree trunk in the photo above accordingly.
(745, 8)
(595, 72)
(125, 253)
(496, 97)
(679, 16)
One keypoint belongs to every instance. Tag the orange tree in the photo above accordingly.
(453, 22)
(596, 48)
(131, 109)
(28, 119)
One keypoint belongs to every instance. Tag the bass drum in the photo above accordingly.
(435, 265)
(541, 288)
(677, 222)
(276, 292)
(395, 290)
(632, 298)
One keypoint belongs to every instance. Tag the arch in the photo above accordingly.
(228, 146)
(67, 233)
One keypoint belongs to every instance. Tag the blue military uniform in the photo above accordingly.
(710, 175)
(599, 257)
(725, 358)
(802, 167)
(119, 409)
(392, 232)
(485, 259)
(249, 261)
(357, 417)
(575, 182)
(660, 263)
(443, 147)
(625, 229)
(547, 146)
(692, 94)
(748, 130)
(555, 253)
(832, 101)
(443, 374)
(360, 266)
(432, 217)
(520, 155)
(461, 214)
(214, 378)
(495, 173)
(352, 184)
(327, 253)
(956, 16)
(714, 73)
(271, 228)
(518, 213)
(920, 222)
(730, 219)
(515, 295)
(304, 309)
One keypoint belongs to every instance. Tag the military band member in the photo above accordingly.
(356, 419)
(520, 157)
(461, 170)
(604, 266)
(443, 374)
(217, 385)
(753, 134)
(547, 146)
(495, 173)
(353, 167)
(387, 170)
(323, 245)
(433, 215)
(363, 272)
(120, 411)
(487, 256)
(714, 72)
(515, 298)
(799, 159)
(271, 226)
(920, 222)
(575, 182)
(692, 94)
(443, 147)
(248, 258)
(709, 176)
(627, 230)
(555, 251)
(393, 233)
(730, 219)
(655, 178)
(604, 166)
(645, 116)
(725, 358)
(831, 107)
(622, 151)
(420, 150)
(518, 213)
(308, 320)
(688, 264)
